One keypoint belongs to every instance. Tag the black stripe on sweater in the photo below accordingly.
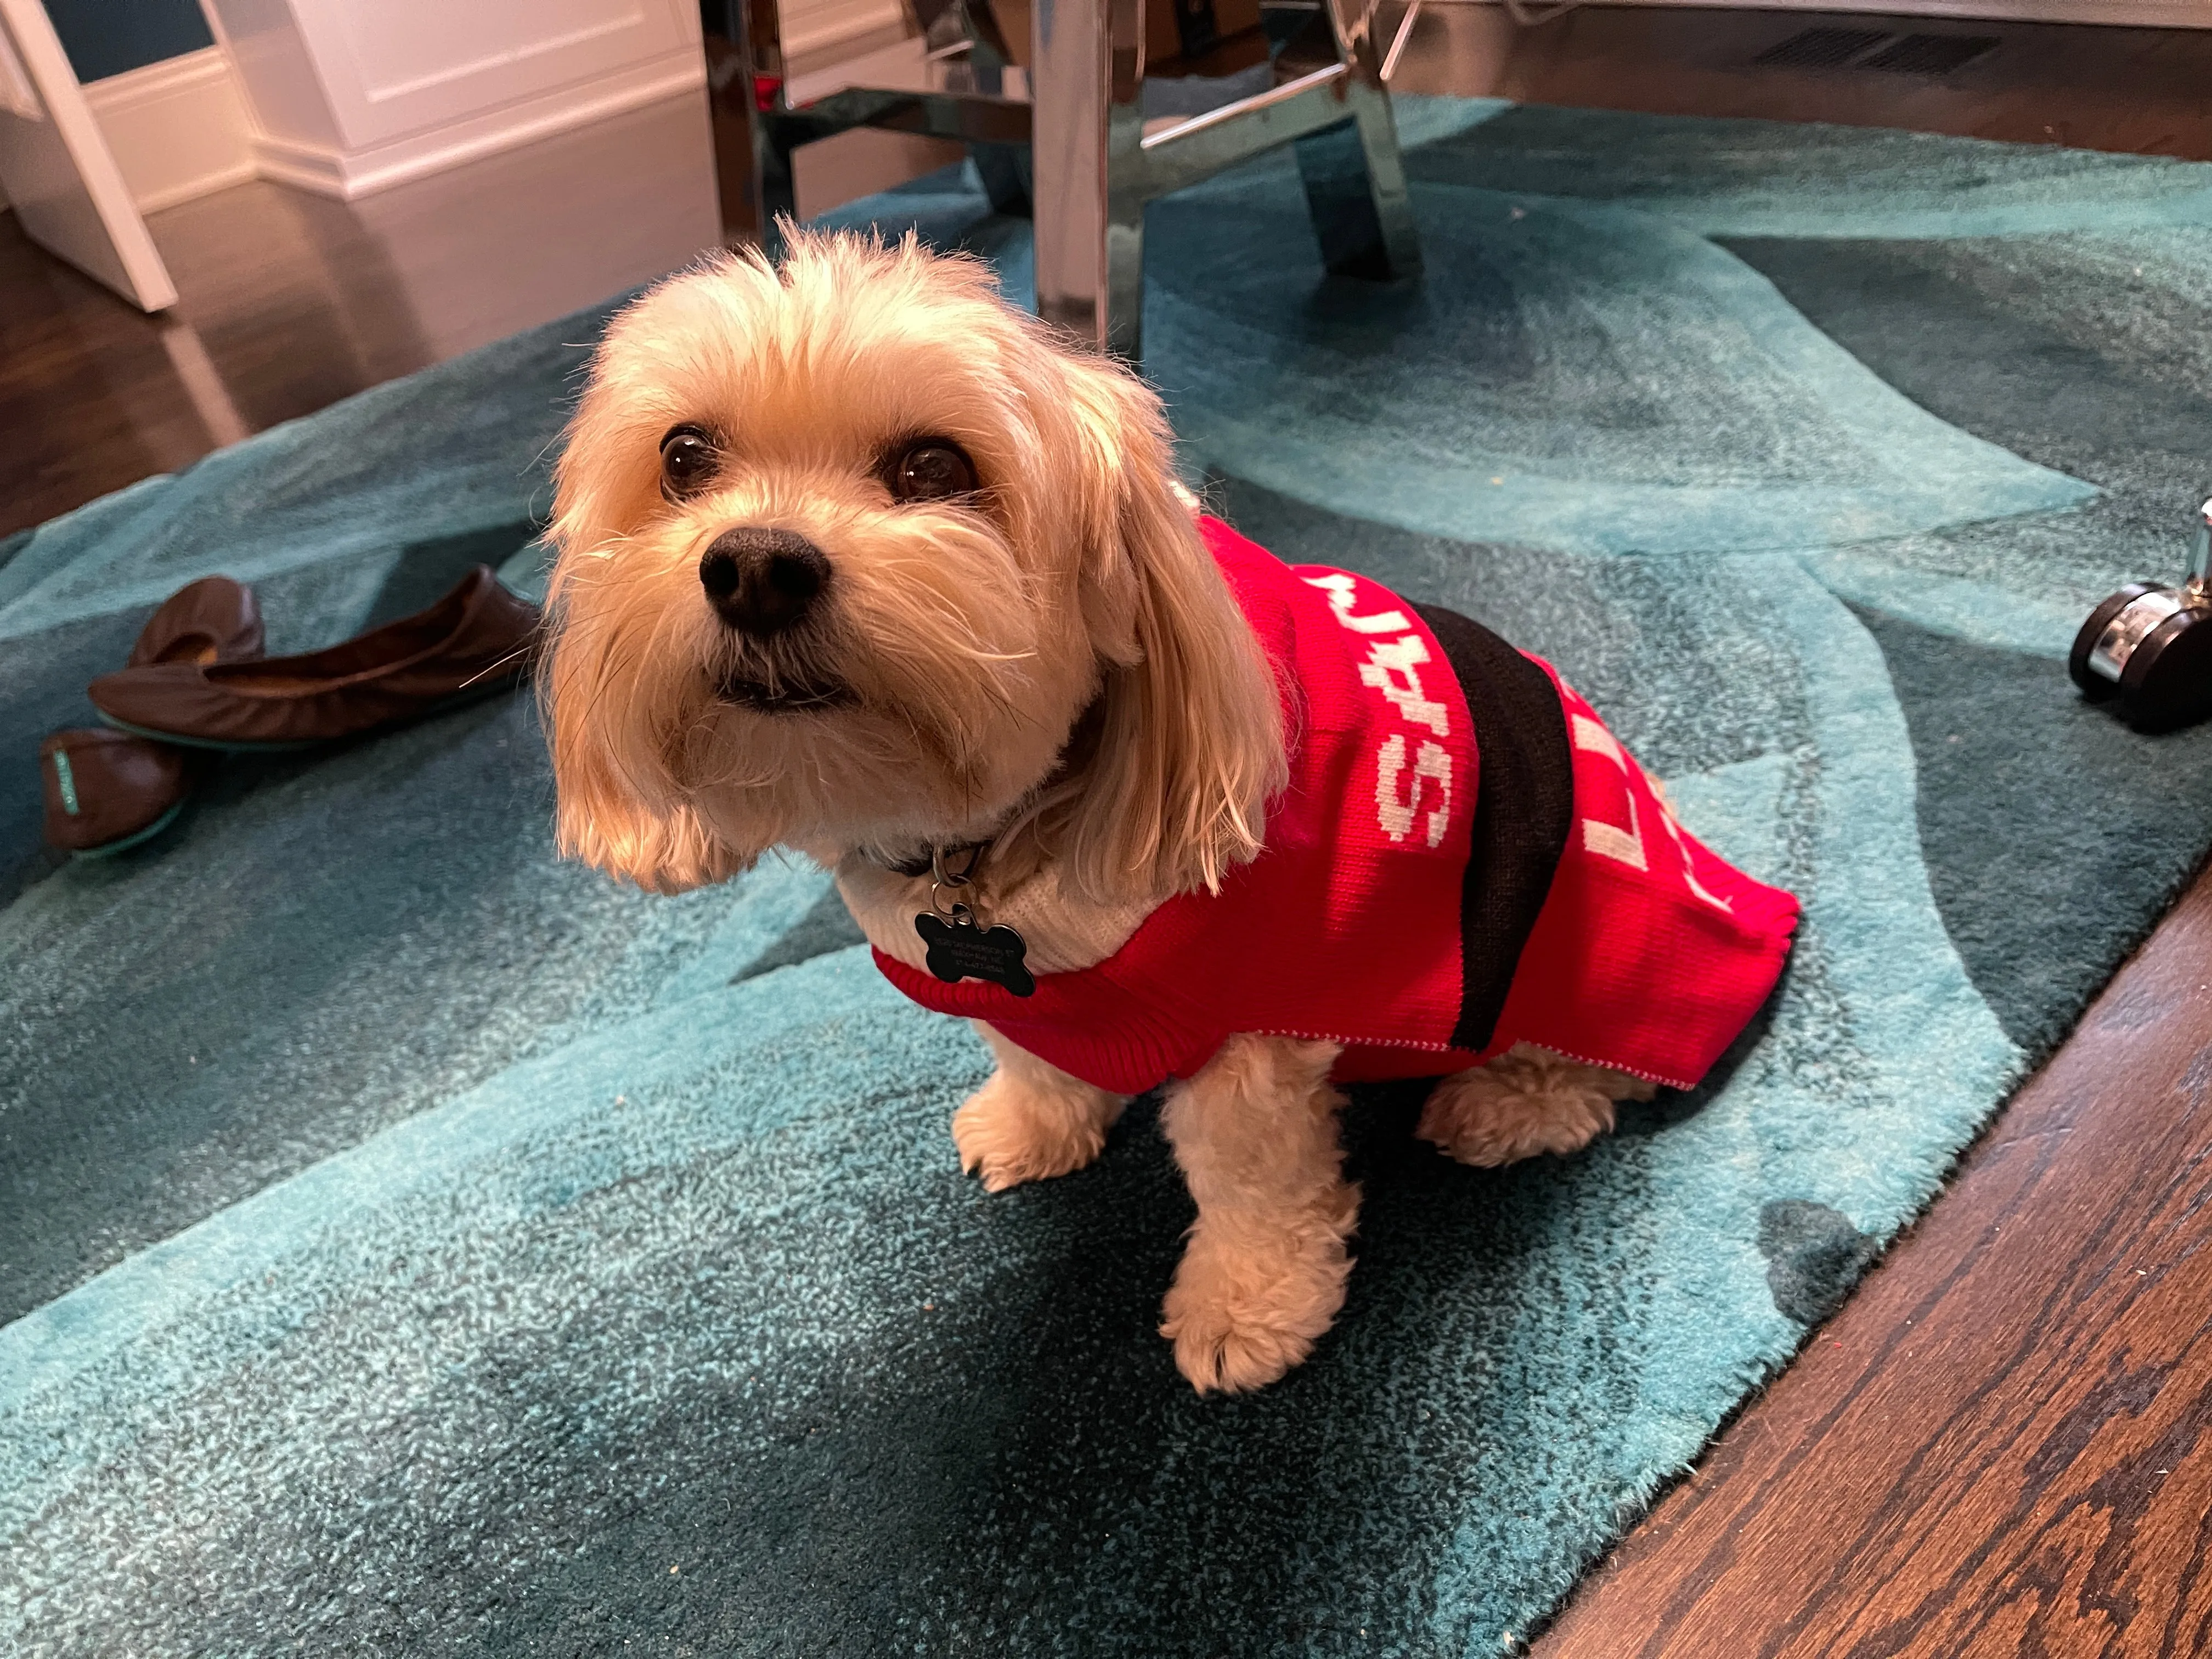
(1524, 808)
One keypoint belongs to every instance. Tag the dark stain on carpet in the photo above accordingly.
(1814, 1256)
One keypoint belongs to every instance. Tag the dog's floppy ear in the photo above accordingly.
(619, 808)
(1190, 740)
(669, 852)
(610, 736)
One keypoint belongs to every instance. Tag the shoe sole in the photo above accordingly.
(109, 848)
(294, 746)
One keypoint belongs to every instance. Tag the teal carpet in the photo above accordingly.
(411, 1244)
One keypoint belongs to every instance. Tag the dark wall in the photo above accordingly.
(106, 37)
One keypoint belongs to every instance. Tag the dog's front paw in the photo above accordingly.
(1023, 1129)
(1526, 1101)
(1241, 1315)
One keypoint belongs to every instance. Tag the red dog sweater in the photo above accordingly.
(1464, 858)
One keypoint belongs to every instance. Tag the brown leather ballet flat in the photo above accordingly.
(480, 638)
(214, 619)
(107, 790)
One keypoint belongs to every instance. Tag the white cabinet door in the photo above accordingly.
(57, 171)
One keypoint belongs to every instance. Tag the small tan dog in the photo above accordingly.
(855, 559)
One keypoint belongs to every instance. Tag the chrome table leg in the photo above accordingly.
(1086, 128)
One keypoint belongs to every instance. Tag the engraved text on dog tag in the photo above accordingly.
(959, 949)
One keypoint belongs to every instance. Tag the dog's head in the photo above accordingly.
(853, 556)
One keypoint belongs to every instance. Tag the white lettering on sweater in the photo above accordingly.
(1343, 593)
(1392, 667)
(1394, 811)
(1689, 874)
(1610, 840)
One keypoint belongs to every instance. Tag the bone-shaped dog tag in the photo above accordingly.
(959, 949)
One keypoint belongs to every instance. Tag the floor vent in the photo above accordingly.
(1931, 54)
(1877, 49)
(1822, 48)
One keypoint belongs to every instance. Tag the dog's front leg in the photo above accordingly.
(1031, 1121)
(1262, 1275)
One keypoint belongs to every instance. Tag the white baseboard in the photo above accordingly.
(303, 166)
(2125, 13)
(348, 175)
(178, 128)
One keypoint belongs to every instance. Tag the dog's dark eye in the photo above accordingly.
(687, 459)
(932, 470)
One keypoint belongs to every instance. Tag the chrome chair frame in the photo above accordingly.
(1095, 160)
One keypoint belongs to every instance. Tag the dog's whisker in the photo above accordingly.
(512, 656)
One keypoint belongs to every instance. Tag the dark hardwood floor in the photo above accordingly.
(290, 302)
(2139, 90)
(1996, 1447)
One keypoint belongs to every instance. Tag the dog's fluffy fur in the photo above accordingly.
(1053, 662)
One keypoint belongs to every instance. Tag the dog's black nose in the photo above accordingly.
(761, 582)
